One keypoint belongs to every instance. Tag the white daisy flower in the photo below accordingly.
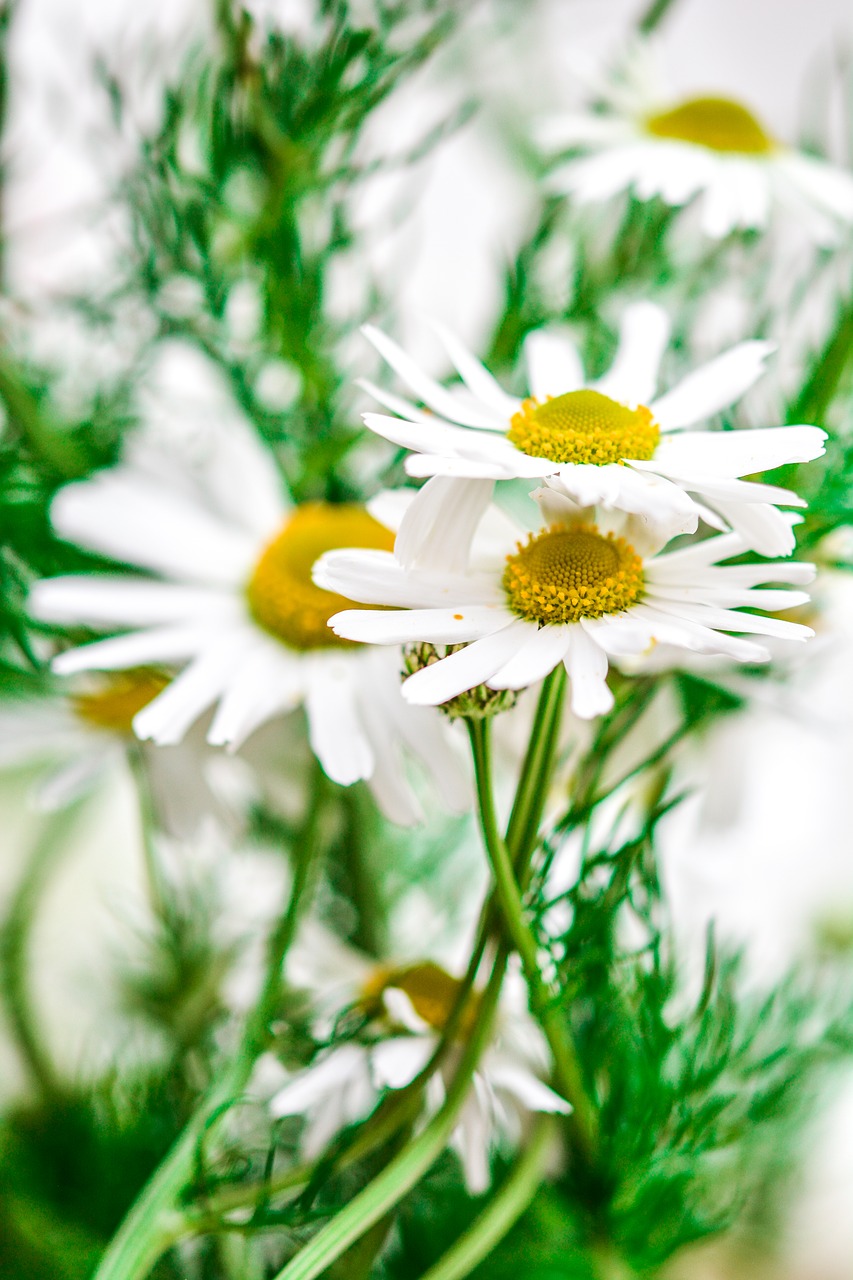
(80, 736)
(407, 1008)
(709, 148)
(613, 442)
(233, 604)
(576, 592)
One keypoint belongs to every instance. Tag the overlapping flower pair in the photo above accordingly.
(620, 471)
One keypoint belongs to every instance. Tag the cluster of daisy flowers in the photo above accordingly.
(245, 608)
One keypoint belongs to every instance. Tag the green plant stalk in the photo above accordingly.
(820, 388)
(150, 1227)
(406, 1169)
(532, 792)
(566, 1068)
(502, 1211)
(654, 16)
(51, 844)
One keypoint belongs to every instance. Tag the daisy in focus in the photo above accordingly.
(708, 148)
(234, 606)
(403, 1011)
(613, 443)
(575, 592)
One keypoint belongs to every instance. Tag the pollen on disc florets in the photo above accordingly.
(717, 123)
(572, 572)
(119, 698)
(282, 597)
(584, 427)
(431, 991)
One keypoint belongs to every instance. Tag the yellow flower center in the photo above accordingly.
(431, 990)
(120, 698)
(282, 597)
(569, 573)
(584, 426)
(716, 123)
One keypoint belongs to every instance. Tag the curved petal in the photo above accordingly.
(553, 364)
(128, 518)
(432, 393)
(537, 657)
(643, 335)
(712, 387)
(587, 666)
(727, 454)
(335, 731)
(467, 668)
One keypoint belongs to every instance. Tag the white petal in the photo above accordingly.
(823, 183)
(438, 528)
(587, 665)
(437, 626)
(319, 1080)
(270, 680)
(643, 335)
(160, 644)
(530, 1091)
(432, 393)
(477, 378)
(687, 634)
(334, 730)
(74, 778)
(735, 453)
(464, 670)
(377, 577)
(403, 408)
(712, 387)
(128, 518)
(536, 658)
(760, 526)
(395, 1062)
(733, 620)
(553, 364)
(168, 717)
(390, 505)
(112, 600)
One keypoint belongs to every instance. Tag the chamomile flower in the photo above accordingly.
(613, 442)
(79, 736)
(404, 1009)
(234, 606)
(708, 148)
(575, 591)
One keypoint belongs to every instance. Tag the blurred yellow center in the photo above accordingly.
(282, 597)
(584, 427)
(716, 123)
(431, 991)
(566, 574)
(120, 698)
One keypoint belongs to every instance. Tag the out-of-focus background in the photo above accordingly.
(763, 845)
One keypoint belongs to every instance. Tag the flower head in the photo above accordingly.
(707, 148)
(576, 591)
(234, 607)
(614, 443)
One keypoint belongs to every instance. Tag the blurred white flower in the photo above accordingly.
(613, 442)
(406, 1008)
(705, 147)
(233, 602)
(578, 593)
(81, 735)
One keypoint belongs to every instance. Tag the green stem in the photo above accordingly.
(653, 16)
(548, 1013)
(52, 842)
(148, 825)
(532, 791)
(820, 389)
(502, 1212)
(400, 1175)
(148, 1228)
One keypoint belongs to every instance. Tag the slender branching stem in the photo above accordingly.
(502, 1211)
(148, 1229)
